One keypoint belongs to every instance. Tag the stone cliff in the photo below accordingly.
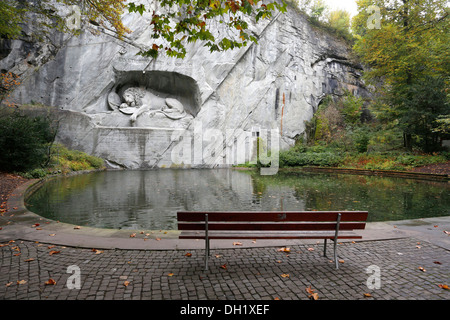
(137, 112)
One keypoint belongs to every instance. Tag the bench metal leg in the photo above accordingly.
(206, 243)
(335, 242)
(335, 251)
(335, 255)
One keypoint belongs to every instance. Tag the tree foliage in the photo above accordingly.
(10, 17)
(174, 24)
(24, 142)
(192, 20)
(407, 56)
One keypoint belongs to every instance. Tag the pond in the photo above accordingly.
(149, 200)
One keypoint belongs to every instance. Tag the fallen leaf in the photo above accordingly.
(77, 227)
(170, 274)
(422, 269)
(21, 281)
(237, 243)
(285, 275)
(341, 261)
(28, 260)
(367, 295)
(309, 290)
(310, 249)
(188, 254)
(444, 286)
(285, 249)
(35, 225)
(53, 252)
(278, 261)
(52, 234)
(437, 262)
(50, 282)
(447, 232)
(133, 235)
(218, 256)
(126, 283)
(224, 266)
(312, 295)
(8, 284)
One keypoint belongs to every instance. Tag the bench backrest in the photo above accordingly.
(272, 220)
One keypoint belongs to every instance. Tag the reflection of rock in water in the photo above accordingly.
(150, 199)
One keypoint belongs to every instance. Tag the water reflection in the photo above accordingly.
(150, 199)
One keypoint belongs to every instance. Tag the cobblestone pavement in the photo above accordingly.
(408, 270)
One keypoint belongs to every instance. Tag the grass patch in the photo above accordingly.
(64, 161)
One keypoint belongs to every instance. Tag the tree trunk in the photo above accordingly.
(407, 141)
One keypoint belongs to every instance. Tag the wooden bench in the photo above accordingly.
(235, 225)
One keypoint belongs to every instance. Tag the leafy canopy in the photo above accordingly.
(175, 23)
(408, 61)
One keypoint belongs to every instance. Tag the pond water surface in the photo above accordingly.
(149, 200)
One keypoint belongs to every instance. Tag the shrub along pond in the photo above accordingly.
(149, 200)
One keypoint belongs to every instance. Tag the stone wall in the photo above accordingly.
(213, 99)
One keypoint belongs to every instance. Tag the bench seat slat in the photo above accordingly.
(268, 235)
(270, 226)
(254, 216)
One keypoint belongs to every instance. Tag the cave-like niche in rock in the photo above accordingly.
(157, 99)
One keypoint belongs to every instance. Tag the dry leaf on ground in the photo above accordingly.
(312, 295)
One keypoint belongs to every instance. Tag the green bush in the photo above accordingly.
(297, 159)
(361, 139)
(73, 160)
(24, 142)
(35, 173)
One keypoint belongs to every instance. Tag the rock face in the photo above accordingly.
(206, 110)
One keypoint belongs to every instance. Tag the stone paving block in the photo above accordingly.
(250, 274)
